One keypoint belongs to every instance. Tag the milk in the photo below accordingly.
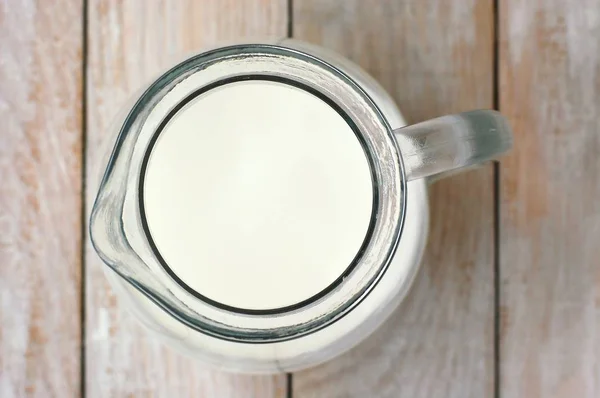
(257, 195)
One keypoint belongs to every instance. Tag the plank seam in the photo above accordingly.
(496, 182)
(84, 151)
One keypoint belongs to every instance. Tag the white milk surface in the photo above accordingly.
(258, 194)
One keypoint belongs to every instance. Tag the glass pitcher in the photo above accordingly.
(259, 316)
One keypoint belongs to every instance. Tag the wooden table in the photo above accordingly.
(507, 303)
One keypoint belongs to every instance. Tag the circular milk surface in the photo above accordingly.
(257, 195)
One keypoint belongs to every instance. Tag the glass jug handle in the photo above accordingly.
(445, 145)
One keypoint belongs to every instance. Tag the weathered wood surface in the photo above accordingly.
(129, 43)
(550, 199)
(435, 57)
(40, 198)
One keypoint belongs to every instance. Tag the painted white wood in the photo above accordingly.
(130, 42)
(435, 58)
(40, 198)
(550, 199)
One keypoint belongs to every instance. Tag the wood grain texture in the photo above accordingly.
(130, 42)
(40, 198)
(550, 239)
(435, 57)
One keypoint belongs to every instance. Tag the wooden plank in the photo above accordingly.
(40, 198)
(435, 57)
(550, 191)
(130, 42)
